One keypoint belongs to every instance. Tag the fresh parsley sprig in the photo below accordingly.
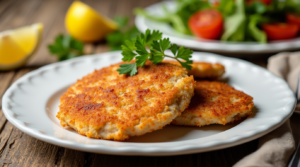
(136, 48)
(66, 47)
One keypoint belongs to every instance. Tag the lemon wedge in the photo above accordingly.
(18, 45)
(85, 24)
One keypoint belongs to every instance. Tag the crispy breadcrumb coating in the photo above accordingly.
(215, 103)
(107, 105)
(204, 70)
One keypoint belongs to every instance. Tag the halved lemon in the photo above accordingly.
(18, 45)
(86, 25)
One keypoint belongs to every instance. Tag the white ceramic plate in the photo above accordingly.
(31, 104)
(143, 24)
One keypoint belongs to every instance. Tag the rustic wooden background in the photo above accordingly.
(19, 149)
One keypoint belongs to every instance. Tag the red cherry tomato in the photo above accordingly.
(293, 19)
(206, 24)
(280, 31)
(267, 2)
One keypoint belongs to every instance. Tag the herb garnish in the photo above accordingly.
(137, 48)
(66, 47)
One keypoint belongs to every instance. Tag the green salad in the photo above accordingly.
(233, 20)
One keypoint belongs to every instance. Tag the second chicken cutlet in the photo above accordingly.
(204, 70)
(215, 103)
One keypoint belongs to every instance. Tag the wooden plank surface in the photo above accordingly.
(19, 149)
(51, 14)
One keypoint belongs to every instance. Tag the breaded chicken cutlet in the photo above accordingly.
(204, 69)
(107, 105)
(215, 103)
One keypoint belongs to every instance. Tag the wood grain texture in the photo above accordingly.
(18, 14)
(5, 81)
(4, 7)
(19, 149)
(51, 14)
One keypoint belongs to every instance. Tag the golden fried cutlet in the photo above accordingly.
(215, 103)
(107, 105)
(204, 69)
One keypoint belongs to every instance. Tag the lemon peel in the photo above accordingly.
(18, 45)
(87, 25)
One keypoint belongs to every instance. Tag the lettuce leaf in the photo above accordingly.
(179, 18)
(177, 23)
(253, 30)
(285, 6)
(235, 24)
(226, 7)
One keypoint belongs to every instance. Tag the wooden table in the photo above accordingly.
(19, 149)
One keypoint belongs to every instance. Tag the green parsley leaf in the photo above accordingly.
(155, 46)
(184, 54)
(140, 46)
(156, 54)
(174, 48)
(137, 48)
(156, 57)
(150, 37)
(128, 68)
(131, 44)
(66, 47)
(186, 64)
(164, 44)
(127, 53)
(141, 60)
